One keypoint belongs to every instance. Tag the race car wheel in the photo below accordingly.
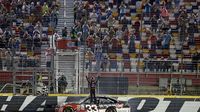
(111, 109)
(68, 109)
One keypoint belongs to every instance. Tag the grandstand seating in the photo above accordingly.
(133, 15)
(131, 19)
(29, 19)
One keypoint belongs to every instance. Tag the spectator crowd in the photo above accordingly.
(24, 24)
(116, 33)
(161, 32)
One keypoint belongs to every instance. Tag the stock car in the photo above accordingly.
(104, 104)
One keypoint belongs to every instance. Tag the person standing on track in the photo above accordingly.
(92, 84)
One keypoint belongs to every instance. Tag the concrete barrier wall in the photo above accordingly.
(137, 103)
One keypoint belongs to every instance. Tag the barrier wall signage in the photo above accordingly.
(137, 104)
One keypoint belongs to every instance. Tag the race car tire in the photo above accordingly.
(68, 109)
(111, 109)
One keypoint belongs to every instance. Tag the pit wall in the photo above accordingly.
(138, 103)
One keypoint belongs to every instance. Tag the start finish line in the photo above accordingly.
(137, 103)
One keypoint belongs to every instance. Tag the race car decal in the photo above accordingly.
(91, 108)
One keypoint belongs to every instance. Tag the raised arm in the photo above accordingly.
(87, 79)
(97, 79)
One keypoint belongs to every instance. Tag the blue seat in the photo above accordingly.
(113, 64)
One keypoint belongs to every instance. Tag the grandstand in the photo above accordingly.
(134, 46)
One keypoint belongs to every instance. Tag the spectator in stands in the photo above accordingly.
(124, 22)
(89, 56)
(177, 4)
(136, 27)
(98, 54)
(110, 3)
(79, 36)
(85, 30)
(122, 10)
(126, 35)
(160, 23)
(64, 32)
(48, 54)
(99, 16)
(54, 18)
(153, 40)
(154, 24)
(131, 43)
(38, 11)
(11, 44)
(45, 8)
(108, 12)
(56, 37)
(93, 28)
(105, 44)
(38, 27)
(119, 33)
(166, 25)
(29, 43)
(159, 41)
(114, 42)
(46, 20)
(90, 42)
(98, 41)
(111, 32)
(182, 25)
(78, 13)
(147, 9)
(97, 5)
(104, 63)
(166, 40)
(78, 26)
(110, 21)
(73, 33)
(104, 33)
(168, 4)
(93, 16)
(8, 58)
(156, 9)
(84, 16)
(37, 42)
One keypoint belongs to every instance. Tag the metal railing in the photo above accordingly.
(144, 65)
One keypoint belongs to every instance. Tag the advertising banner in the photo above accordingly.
(137, 103)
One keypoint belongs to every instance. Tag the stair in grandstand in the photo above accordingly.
(61, 20)
(43, 57)
(66, 15)
(69, 14)
(66, 65)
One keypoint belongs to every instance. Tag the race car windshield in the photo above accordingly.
(75, 100)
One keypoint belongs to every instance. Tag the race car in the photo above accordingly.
(103, 104)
